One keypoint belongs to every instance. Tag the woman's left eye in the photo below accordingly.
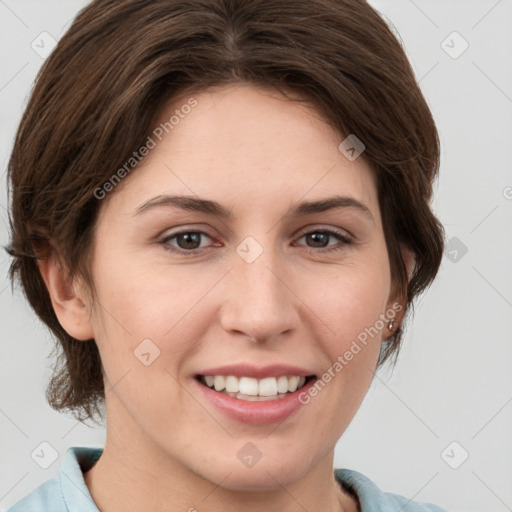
(320, 239)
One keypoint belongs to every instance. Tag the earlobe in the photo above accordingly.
(68, 305)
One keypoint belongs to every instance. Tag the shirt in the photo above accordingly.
(67, 491)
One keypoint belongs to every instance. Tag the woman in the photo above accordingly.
(222, 211)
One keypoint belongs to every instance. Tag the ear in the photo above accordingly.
(397, 305)
(409, 260)
(68, 299)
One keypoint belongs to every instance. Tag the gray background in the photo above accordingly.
(453, 382)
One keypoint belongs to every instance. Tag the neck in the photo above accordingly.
(129, 477)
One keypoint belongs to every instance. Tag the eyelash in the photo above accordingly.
(345, 240)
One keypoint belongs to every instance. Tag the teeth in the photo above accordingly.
(232, 384)
(219, 382)
(293, 382)
(282, 384)
(267, 387)
(250, 387)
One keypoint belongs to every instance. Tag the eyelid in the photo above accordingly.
(320, 227)
(170, 234)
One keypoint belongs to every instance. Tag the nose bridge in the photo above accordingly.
(260, 276)
(259, 303)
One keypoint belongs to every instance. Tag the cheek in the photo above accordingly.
(348, 301)
(147, 298)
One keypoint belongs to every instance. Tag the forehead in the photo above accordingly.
(247, 143)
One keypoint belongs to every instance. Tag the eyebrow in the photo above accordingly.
(197, 204)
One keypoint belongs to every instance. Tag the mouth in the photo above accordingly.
(255, 395)
(252, 389)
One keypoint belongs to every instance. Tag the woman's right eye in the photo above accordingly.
(186, 241)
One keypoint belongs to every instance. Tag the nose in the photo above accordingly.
(259, 302)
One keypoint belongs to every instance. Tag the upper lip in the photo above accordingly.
(248, 370)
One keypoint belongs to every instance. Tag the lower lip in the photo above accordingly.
(254, 412)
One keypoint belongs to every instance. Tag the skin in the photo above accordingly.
(167, 448)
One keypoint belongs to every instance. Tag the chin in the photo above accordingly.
(264, 475)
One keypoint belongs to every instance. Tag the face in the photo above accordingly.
(241, 279)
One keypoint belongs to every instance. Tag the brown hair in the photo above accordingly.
(98, 95)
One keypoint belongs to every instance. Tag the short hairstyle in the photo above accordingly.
(97, 97)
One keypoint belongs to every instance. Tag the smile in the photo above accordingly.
(252, 389)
